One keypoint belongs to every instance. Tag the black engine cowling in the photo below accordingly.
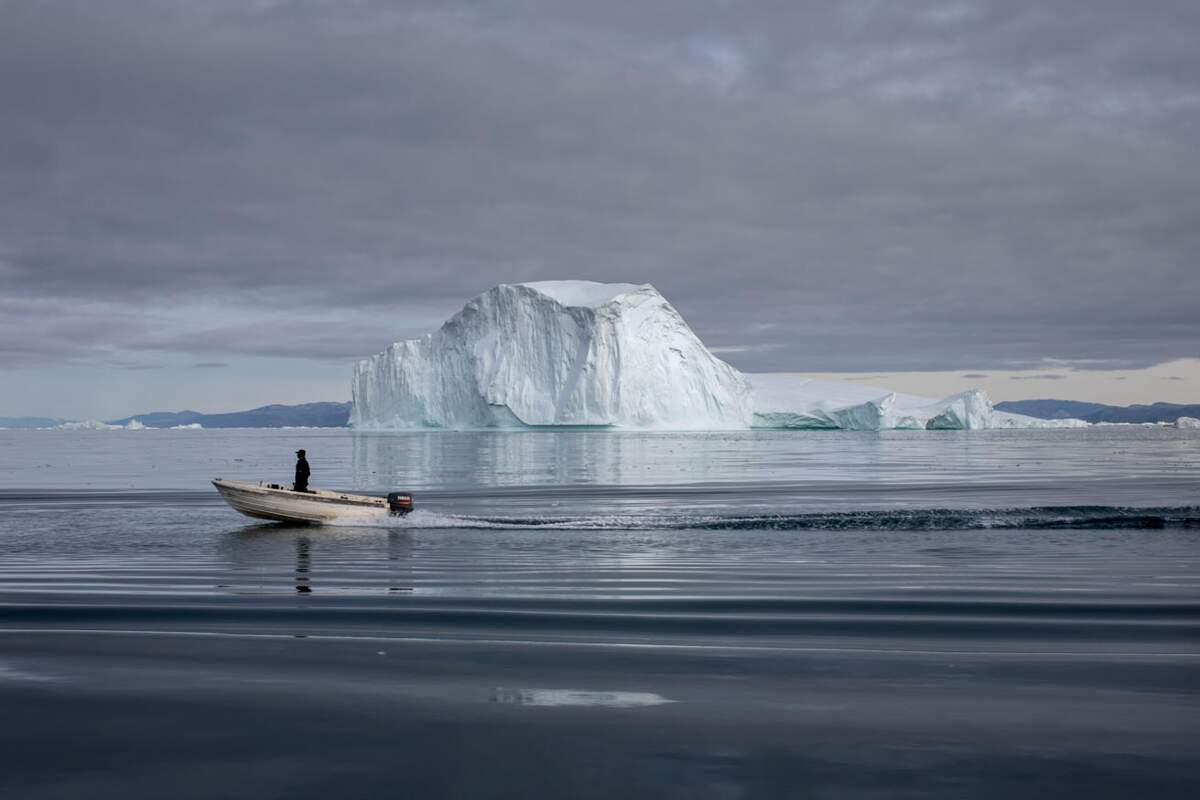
(399, 503)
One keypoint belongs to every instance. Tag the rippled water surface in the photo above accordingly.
(583, 613)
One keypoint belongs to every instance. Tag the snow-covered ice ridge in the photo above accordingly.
(784, 400)
(556, 353)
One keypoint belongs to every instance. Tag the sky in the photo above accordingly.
(214, 205)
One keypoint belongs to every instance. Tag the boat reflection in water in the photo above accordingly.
(269, 559)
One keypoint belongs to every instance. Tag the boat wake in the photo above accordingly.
(1046, 518)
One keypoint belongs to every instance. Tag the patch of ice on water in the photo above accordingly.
(577, 697)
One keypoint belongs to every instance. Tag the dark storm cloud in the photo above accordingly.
(816, 186)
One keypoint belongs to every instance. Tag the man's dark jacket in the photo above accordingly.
(301, 475)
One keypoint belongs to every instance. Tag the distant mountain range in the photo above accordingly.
(30, 422)
(1099, 412)
(306, 415)
(337, 415)
(310, 415)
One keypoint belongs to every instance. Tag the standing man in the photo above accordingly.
(301, 484)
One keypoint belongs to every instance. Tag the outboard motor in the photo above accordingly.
(399, 503)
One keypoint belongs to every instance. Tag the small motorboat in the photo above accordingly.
(272, 501)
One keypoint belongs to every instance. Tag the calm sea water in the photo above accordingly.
(582, 613)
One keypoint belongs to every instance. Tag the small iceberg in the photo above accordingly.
(85, 425)
(96, 425)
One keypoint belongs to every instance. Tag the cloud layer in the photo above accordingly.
(817, 186)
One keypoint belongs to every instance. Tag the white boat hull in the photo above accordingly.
(263, 501)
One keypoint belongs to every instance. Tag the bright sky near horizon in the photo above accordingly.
(93, 393)
(219, 205)
(1171, 382)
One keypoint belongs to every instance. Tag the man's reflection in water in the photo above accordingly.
(302, 565)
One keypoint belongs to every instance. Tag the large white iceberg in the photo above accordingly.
(554, 353)
(617, 354)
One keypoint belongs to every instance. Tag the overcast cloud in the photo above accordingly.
(816, 186)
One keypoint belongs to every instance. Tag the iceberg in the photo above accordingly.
(1006, 419)
(554, 353)
(95, 425)
(785, 400)
(84, 425)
